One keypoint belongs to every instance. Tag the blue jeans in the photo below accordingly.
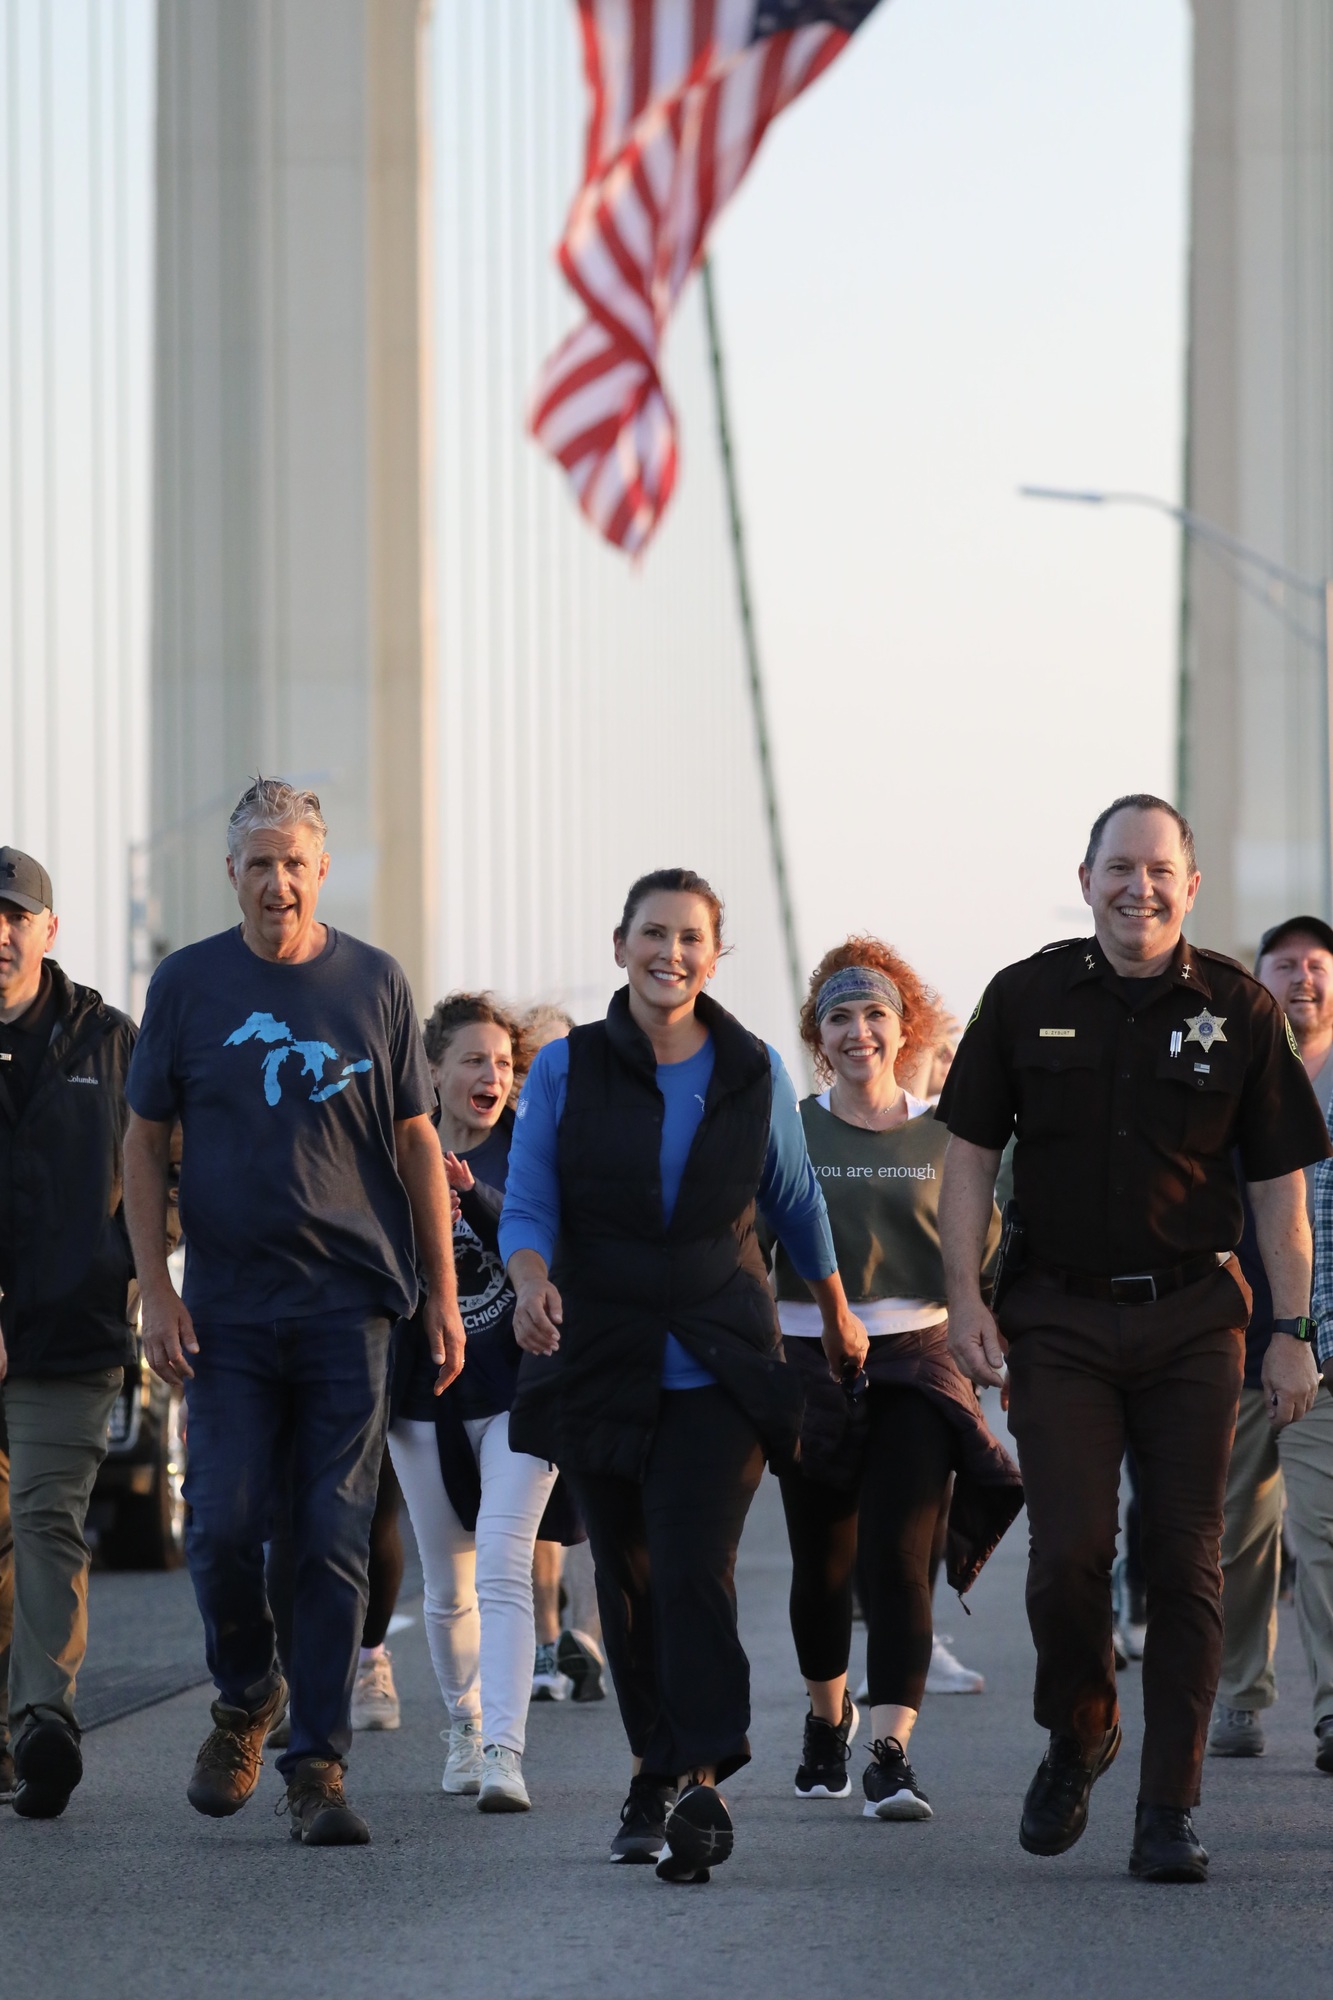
(303, 1398)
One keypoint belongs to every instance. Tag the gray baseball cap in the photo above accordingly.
(24, 881)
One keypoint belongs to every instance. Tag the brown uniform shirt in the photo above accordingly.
(1127, 1097)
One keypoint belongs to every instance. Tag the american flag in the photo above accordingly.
(682, 92)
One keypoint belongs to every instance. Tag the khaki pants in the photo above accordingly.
(1301, 1460)
(57, 1440)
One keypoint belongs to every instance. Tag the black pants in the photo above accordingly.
(1086, 1380)
(665, 1555)
(884, 1529)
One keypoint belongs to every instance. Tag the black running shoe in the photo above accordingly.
(580, 1659)
(890, 1784)
(48, 1764)
(699, 1836)
(1055, 1810)
(643, 1819)
(824, 1753)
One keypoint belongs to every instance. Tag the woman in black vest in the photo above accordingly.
(876, 1465)
(655, 1376)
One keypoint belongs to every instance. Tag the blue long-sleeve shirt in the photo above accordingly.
(789, 1195)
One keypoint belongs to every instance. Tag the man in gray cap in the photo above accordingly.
(65, 1337)
(1295, 963)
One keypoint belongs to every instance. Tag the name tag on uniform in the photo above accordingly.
(1058, 1034)
(1203, 1069)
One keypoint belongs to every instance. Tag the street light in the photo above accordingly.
(1320, 594)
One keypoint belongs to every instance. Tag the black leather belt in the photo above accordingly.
(1135, 1288)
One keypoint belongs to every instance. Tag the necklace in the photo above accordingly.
(884, 1120)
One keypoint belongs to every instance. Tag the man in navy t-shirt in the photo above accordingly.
(312, 1191)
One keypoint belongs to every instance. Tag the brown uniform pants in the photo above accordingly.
(1086, 1379)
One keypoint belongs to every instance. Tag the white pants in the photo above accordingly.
(478, 1607)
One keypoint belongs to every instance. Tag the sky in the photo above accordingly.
(957, 266)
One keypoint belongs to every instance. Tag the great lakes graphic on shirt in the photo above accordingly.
(315, 1058)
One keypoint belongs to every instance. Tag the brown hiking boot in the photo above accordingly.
(321, 1816)
(226, 1770)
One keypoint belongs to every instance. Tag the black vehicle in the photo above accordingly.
(137, 1512)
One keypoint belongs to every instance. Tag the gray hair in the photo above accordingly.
(272, 802)
(1141, 802)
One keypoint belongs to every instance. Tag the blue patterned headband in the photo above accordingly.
(857, 982)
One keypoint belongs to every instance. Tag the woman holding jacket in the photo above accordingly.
(644, 1144)
(877, 1459)
(475, 1502)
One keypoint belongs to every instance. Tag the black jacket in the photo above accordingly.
(68, 1265)
(626, 1279)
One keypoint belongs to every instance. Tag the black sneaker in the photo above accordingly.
(890, 1784)
(579, 1658)
(1055, 1810)
(321, 1816)
(226, 1770)
(643, 1818)
(824, 1753)
(1323, 1756)
(699, 1836)
(48, 1764)
(1166, 1847)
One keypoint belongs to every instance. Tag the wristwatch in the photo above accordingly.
(1299, 1329)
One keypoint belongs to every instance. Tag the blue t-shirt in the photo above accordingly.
(789, 1195)
(287, 1080)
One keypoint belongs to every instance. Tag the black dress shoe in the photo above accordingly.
(48, 1764)
(1166, 1847)
(1055, 1810)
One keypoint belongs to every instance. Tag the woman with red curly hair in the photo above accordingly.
(879, 1450)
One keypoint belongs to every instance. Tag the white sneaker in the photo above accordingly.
(374, 1696)
(947, 1674)
(548, 1683)
(502, 1786)
(463, 1766)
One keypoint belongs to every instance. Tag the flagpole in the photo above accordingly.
(758, 704)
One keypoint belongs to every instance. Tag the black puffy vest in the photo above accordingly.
(626, 1277)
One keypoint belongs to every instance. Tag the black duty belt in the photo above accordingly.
(1132, 1288)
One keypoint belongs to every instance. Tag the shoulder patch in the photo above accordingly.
(973, 1015)
(1292, 1043)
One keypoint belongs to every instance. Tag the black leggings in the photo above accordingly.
(903, 1489)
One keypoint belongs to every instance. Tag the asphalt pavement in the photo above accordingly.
(132, 1896)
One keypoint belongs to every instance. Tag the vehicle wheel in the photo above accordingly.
(149, 1528)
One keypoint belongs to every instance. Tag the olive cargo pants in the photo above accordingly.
(1087, 1378)
(57, 1440)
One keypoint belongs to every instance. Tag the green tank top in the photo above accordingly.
(883, 1196)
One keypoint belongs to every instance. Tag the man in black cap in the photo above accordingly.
(65, 1337)
(1132, 1067)
(1295, 963)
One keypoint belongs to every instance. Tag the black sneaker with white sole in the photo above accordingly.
(890, 1784)
(699, 1836)
(643, 1819)
(824, 1753)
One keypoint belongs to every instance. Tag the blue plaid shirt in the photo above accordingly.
(1321, 1300)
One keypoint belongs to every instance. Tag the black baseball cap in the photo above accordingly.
(24, 881)
(1314, 926)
